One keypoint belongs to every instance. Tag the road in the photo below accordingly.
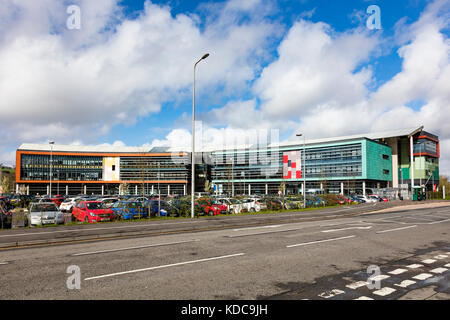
(322, 256)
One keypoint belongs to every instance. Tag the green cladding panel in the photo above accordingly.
(378, 161)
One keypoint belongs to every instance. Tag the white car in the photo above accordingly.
(252, 205)
(44, 213)
(233, 205)
(68, 204)
(368, 199)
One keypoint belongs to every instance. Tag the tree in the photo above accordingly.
(208, 186)
(6, 184)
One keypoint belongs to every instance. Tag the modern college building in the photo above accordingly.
(348, 164)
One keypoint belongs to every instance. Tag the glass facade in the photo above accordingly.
(425, 146)
(64, 168)
(321, 162)
(153, 168)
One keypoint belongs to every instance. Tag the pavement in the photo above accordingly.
(325, 254)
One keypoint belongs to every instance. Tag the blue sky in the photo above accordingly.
(340, 15)
(124, 77)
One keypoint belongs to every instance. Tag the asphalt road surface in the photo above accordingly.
(325, 255)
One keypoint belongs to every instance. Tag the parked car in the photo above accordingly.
(68, 204)
(165, 209)
(44, 213)
(5, 214)
(128, 210)
(109, 201)
(375, 197)
(251, 205)
(233, 205)
(91, 212)
(210, 208)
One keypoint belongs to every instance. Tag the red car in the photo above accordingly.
(92, 211)
(58, 200)
(343, 200)
(212, 209)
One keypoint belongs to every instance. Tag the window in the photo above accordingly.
(385, 171)
(385, 156)
(114, 167)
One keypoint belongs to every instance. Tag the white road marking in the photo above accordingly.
(405, 283)
(251, 228)
(132, 248)
(360, 228)
(363, 298)
(439, 221)
(320, 241)
(447, 265)
(330, 294)
(414, 266)
(428, 261)
(379, 277)
(423, 276)
(258, 233)
(384, 291)
(414, 218)
(164, 266)
(441, 256)
(396, 229)
(439, 270)
(397, 271)
(357, 285)
(94, 229)
(3, 263)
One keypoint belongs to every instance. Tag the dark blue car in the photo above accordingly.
(128, 210)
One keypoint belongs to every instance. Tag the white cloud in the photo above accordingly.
(78, 84)
(75, 86)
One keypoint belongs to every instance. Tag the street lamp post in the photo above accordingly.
(304, 168)
(51, 162)
(193, 141)
(159, 194)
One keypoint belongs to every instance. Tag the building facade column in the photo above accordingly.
(267, 188)
(85, 189)
(153, 188)
(184, 189)
(48, 189)
(168, 189)
(103, 190)
(28, 190)
(67, 189)
(249, 189)
(342, 188)
(364, 188)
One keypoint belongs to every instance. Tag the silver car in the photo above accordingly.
(44, 213)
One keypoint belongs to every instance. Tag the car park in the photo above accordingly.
(91, 212)
(44, 213)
